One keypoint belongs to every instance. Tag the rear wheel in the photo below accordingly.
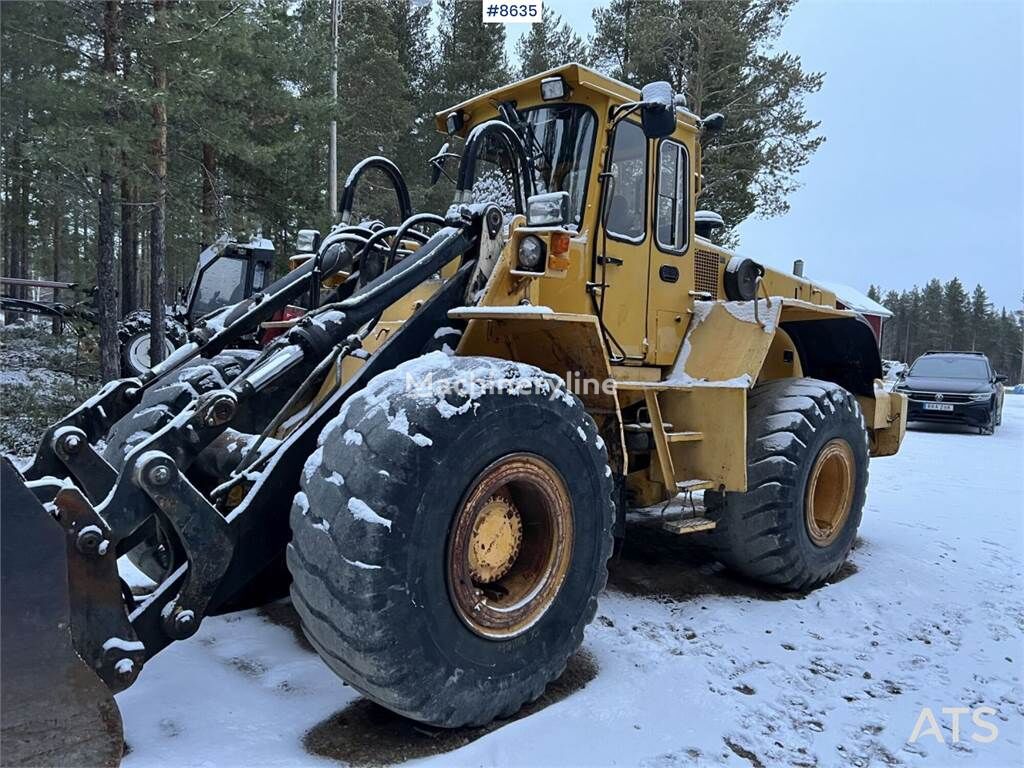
(807, 453)
(449, 545)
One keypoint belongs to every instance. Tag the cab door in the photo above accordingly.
(622, 262)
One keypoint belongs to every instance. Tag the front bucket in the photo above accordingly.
(54, 710)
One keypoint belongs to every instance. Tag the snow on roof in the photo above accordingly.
(854, 299)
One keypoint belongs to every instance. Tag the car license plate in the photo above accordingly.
(938, 407)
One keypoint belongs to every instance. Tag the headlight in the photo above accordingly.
(981, 398)
(531, 253)
(545, 210)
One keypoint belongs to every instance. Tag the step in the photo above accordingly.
(688, 486)
(657, 386)
(684, 437)
(641, 426)
(689, 525)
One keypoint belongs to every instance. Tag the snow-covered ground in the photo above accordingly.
(686, 665)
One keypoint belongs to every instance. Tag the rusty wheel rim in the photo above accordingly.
(829, 492)
(510, 546)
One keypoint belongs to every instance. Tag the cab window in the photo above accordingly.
(672, 205)
(627, 209)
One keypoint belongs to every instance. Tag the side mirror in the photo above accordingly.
(1001, 378)
(713, 122)
(657, 110)
(547, 210)
(307, 241)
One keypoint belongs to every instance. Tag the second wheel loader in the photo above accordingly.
(443, 450)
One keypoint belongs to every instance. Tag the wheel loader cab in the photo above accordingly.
(226, 273)
(632, 197)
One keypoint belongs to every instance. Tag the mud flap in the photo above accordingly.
(54, 710)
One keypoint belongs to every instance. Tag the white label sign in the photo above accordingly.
(522, 12)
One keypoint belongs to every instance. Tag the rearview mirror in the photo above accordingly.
(657, 111)
(307, 241)
(1001, 378)
(713, 122)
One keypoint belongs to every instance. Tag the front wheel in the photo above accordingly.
(133, 336)
(807, 474)
(449, 543)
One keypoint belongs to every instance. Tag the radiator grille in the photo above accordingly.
(705, 272)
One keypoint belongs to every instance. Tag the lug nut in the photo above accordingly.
(161, 474)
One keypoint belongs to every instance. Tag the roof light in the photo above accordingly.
(552, 88)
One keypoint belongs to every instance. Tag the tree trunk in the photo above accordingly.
(23, 214)
(129, 244)
(129, 221)
(106, 273)
(209, 195)
(58, 253)
(157, 241)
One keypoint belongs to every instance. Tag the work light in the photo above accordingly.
(531, 252)
(548, 209)
(552, 88)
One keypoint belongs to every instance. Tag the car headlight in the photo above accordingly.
(531, 253)
(981, 398)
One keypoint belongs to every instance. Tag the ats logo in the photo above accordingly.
(985, 732)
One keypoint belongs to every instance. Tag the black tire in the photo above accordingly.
(160, 403)
(764, 533)
(134, 329)
(374, 599)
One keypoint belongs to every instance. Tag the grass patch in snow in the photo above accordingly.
(42, 377)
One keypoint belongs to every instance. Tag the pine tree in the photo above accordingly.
(721, 56)
(891, 327)
(106, 276)
(955, 314)
(472, 55)
(980, 317)
(933, 332)
(549, 44)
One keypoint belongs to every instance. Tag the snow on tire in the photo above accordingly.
(807, 454)
(393, 488)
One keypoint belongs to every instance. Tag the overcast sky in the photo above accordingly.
(921, 173)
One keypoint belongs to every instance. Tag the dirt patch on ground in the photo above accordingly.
(656, 563)
(365, 734)
(283, 614)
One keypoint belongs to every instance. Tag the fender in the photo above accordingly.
(842, 350)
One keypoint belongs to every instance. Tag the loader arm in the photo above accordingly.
(97, 629)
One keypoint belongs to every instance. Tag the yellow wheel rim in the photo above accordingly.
(510, 546)
(830, 492)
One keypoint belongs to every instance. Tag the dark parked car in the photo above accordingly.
(954, 388)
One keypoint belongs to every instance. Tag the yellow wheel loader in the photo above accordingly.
(442, 452)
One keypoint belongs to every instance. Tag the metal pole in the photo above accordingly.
(333, 154)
